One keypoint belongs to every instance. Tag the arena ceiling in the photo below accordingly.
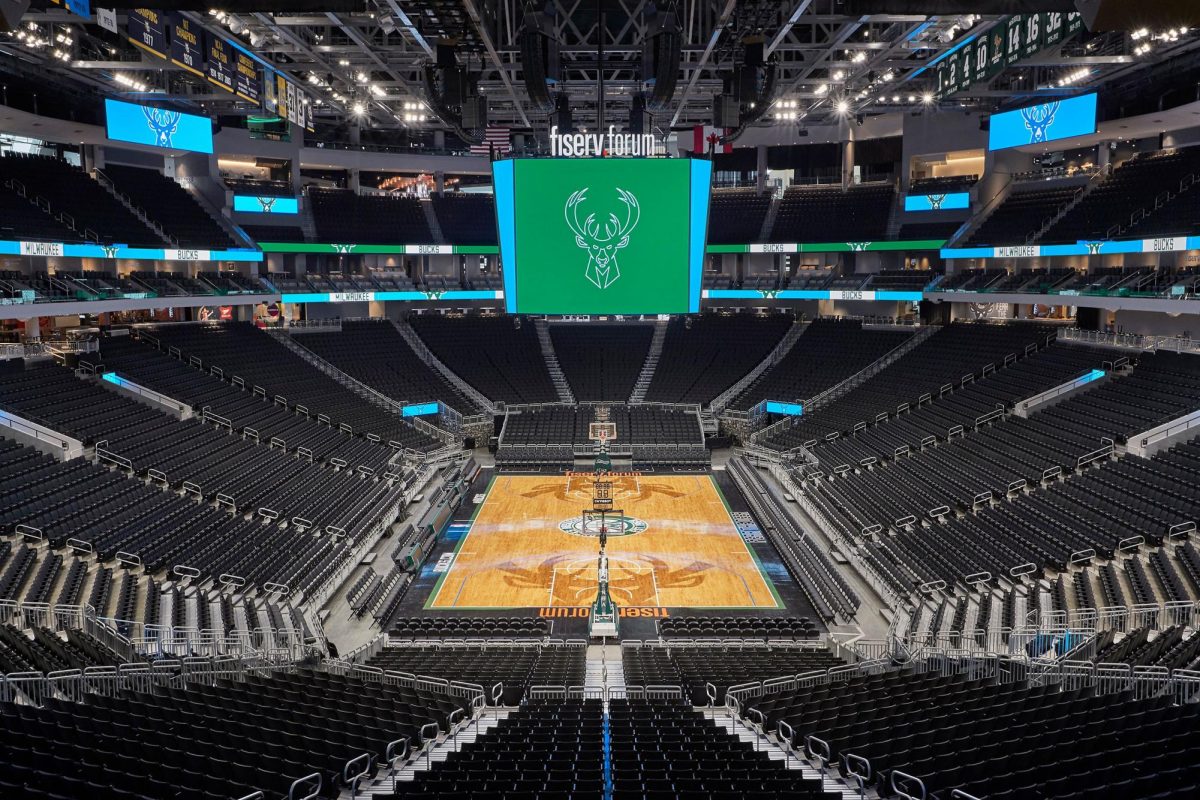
(368, 67)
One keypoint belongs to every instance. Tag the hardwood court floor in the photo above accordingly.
(678, 548)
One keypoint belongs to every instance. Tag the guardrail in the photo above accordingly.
(65, 447)
(1144, 443)
(1131, 341)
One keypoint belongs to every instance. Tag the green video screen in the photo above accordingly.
(602, 235)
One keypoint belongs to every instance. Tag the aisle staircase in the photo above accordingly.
(768, 225)
(433, 362)
(561, 387)
(136, 210)
(371, 395)
(435, 227)
(644, 378)
(721, 401)
(433, 753)
(767, 743)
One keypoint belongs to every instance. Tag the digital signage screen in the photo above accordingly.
(602, 235)
(254, 204)
(157, 127)
(947, 201)
(1045, 122)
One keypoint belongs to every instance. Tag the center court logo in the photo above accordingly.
(617, 526)
(602, 245)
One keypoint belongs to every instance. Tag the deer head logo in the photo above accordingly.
(602, 244)
(267, 204)
(935, 201)
(343, 248)
(858, 247)
(110, 250)
(1038, 120)
(1094, 248)
(163, 123)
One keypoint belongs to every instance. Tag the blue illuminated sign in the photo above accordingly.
(157, 127)
(419, 410)
(951, 201)
(787, 409)
(123, 253)
(1045, 122)
(254, 204)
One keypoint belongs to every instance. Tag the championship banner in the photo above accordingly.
(147, 29)
(220, 69)
(187, 48)
(247, 85)
(281, 103)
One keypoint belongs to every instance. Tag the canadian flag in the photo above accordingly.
(706, 136)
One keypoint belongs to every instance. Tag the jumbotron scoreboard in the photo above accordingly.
(602, 235)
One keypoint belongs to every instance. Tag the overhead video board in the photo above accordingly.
(157, 127)
(1045, 122)
(602, 235)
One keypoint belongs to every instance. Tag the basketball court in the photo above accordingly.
(671, 543)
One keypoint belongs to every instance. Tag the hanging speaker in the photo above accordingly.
(475, 113)
(11, 12)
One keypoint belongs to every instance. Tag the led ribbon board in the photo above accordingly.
(256, 204)
(157, 127)
(370, 297)
(828, 247)
(380, 249)
(949, 201)
(120, 251)
(814, 294)
(1166, 244)
(1045, 122)
(602, 235)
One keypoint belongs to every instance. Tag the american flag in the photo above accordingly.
(495, 139)
(705, 136)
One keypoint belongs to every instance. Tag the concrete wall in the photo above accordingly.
(1149, 322)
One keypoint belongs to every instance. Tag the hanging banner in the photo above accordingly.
(107, 18)
(1012, 46)
(281, 100)
(247, 86)
(220, 68)
(294, 111)
(187, 46)
(147, 29)
(1052, 29)
(1033, 36)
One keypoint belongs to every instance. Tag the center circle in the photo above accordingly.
(615, 525)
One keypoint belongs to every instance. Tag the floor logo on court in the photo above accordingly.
(617, 526)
